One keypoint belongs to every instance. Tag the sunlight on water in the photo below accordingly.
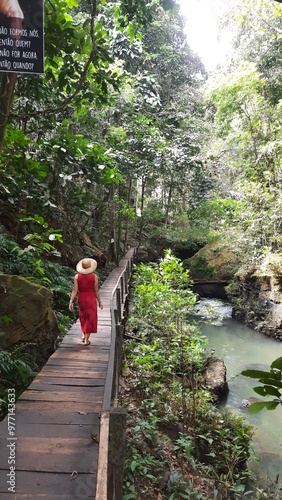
(242, 348)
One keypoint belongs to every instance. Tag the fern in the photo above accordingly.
(16, 371)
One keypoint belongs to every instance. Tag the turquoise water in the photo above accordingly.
(243, 348)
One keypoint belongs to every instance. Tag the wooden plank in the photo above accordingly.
(32, 415)
(78, 349)
(38, 388)
(54, 455)
(56, 406)
(78, 363)
(101, 335)
(69, 353)
(82, 363)
(66, 381)
(50, 486)
(67, 372)
(102, 360)
(98, 340)
(51, 395)
(50, 430)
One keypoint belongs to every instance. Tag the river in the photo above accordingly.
(242, 348)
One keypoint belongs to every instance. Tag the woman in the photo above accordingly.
(86, 285)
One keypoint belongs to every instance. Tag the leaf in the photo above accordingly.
(133, 465)
(277, 363)
(72, 3)
(269, 405)
(267, 390)
(256, 407)
(254, 373)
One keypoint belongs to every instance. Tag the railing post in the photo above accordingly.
(117, 434)
(122, 289)
(113, 419)
(103, 462)
(126, 275)
(119, 334)
(118, 304)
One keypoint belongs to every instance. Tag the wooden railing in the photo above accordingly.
(113, 418)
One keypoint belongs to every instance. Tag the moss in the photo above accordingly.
(200, 268)
(214, 261)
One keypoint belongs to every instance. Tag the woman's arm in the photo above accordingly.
(73, 293)
(97, 293)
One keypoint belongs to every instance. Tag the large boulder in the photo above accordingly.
(215, 377)
(26, 316)
(214, 261)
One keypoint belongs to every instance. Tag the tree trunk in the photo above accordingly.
(8, 82)
(111, 249)
(168, 203)
(141, 208)
(119, 224)
(129, 189)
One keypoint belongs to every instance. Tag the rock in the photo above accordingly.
(245, 403)
(256, 300)
(215, 377)
(212, 289)
(214, 261)
(27, 309)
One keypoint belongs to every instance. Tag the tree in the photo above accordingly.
(243, 103)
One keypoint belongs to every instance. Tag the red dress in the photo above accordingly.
(87, 303)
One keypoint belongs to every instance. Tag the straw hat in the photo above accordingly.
(86, 266)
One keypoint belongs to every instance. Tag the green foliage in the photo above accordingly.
(200, 268)
(59, 279)
(149, 461)
(16, 366)
(272, 386)
(162, 292)
(183, 445)
(270, 264)
(166, 363)
(16, 372)
(12, 261)
(244, 104)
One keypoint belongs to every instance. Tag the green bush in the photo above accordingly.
(17, 370)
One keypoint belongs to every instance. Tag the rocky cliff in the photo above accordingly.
(256, 298)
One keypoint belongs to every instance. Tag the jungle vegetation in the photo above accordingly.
(127, 140)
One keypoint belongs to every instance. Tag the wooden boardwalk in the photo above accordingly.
(57, 419)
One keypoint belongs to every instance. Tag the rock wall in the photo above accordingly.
(256, 300)
(26, 315)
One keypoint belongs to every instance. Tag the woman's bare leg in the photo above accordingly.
(87, 338)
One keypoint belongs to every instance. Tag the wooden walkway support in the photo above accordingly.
(55, 443)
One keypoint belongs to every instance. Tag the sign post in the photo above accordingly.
(22, 36)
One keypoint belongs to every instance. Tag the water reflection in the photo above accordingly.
(242, 348)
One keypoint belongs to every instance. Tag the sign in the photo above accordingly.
(21, 36)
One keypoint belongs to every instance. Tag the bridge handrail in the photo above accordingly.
(109, 481)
